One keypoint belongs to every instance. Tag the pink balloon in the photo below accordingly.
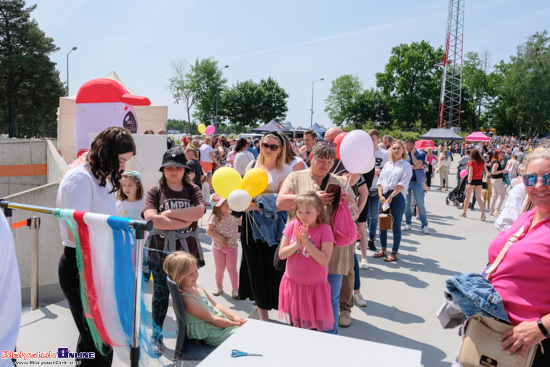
(210, 130)
(463, 173)
(356, 150)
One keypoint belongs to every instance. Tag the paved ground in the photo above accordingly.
(402, 297)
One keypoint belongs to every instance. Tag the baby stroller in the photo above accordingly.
(457, 195)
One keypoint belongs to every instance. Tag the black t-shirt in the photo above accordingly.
(197, 170)
(168, 199)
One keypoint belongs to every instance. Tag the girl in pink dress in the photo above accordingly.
(304, 293)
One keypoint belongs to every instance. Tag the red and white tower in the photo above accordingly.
(451, 81)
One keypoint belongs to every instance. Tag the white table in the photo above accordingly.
(286, 346)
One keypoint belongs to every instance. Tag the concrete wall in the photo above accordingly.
(49, 249)
(57, 167)
(21, 152)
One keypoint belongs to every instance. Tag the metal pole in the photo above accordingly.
(134, 352)
(312, 89)
(34, 225)
(73, 49)
(8, 205)
(217, 96)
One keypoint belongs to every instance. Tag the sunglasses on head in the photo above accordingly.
(531, 179)
(326, 142)
(272, 147)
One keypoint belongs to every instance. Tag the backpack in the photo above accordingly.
(343, 227)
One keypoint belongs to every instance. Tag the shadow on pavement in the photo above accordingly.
(431, 356)
(380, 274)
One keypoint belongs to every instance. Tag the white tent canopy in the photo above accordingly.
(148, 117)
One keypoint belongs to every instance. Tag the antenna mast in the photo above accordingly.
(451, 81)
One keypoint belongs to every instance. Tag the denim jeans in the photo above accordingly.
(416, 189)
(397, 206)
(372, 215)
(335, 281)
(357, 283)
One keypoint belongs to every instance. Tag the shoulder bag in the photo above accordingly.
(481, 343)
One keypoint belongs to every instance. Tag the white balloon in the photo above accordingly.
(355, 149)
(515, 181)
(239, 200)
(369, 166)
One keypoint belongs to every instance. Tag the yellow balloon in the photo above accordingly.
(255, 181)
(225, 180)
(202, 128)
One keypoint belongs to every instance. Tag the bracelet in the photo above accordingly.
(543, 329)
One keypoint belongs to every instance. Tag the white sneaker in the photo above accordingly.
(426, 230)
(407, 227)
(359, 301)
(364, 264)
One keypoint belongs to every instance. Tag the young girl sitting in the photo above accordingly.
(130, 199)
(223, 228)
(206, 320)
(304, 293)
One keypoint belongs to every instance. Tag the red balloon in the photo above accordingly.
(338, 141)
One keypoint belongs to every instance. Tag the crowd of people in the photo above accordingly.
(292, 219)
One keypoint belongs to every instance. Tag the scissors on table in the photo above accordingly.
(237, 353)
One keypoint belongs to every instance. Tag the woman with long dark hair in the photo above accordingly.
(476, 167)
(89, 187)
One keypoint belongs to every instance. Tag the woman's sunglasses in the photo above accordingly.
(531, 179)
(272, 147)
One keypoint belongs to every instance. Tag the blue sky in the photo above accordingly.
(295, 42)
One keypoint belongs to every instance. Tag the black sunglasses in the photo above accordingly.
(326, 142)
(272, 147)
(531, 179)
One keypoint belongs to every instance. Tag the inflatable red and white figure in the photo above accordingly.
(102, 103)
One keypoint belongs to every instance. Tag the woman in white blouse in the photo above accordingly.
(392, 186)
(243, 156)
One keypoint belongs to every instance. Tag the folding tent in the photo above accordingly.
(270, 126)
(441, 134)
(477, 136)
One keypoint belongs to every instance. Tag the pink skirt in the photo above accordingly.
(306, 306)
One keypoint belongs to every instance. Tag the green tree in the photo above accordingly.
(248, 104)
(411, 84)
(529, 81)
(371, 111)
(274, 104)
(242, 104)
(178, 125)
(341, 104)
(475, 81)
(519, 91)
(29, 84)
(181, 86)
(206, 81)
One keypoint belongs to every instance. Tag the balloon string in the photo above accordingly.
(347, 182)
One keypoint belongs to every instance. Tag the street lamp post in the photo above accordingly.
(312, 88)
(73, 49)
(217, 96)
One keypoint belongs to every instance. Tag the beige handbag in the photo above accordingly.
(481, 343)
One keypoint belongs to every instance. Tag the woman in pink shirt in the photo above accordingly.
(522, 276)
